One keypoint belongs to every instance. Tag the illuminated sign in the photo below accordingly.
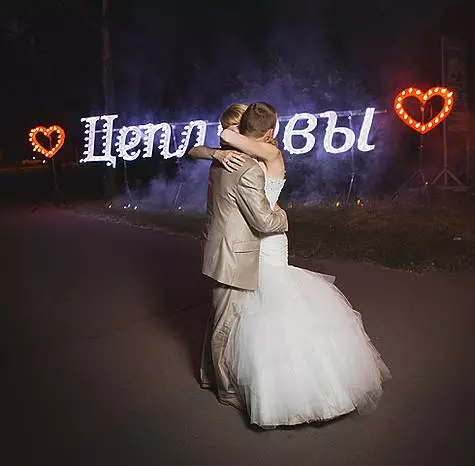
(48, 133)
(423, 97)
(132, 142)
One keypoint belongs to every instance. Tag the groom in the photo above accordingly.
(238, 213)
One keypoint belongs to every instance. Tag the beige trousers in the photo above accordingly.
(220, 323)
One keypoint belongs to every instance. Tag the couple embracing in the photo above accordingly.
(282, 343)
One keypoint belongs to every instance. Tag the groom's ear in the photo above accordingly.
(269, 135)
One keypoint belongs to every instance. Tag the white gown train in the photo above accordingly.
(299, 352)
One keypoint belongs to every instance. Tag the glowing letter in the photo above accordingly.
(186, 133)
(331, 130)
(363, 145)
(277, 128)
(90, 138)
(149, 136)
(123, 146)
(107, 139)
(305, 133)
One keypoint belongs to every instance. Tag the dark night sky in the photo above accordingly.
(190, 58)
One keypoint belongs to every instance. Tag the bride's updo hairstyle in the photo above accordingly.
(258, 119)
(232, 115)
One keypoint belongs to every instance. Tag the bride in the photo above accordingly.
(298, 352)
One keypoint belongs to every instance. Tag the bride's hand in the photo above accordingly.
(231, 160)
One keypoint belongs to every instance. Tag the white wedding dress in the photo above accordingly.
(299, 352)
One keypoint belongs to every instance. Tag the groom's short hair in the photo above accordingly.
(259, 118)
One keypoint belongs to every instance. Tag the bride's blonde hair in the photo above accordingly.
(232, 115)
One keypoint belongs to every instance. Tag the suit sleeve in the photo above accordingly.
(255, 207)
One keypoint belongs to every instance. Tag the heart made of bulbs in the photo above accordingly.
(423, 98)
(48, 132)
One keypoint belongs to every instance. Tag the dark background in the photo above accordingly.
(177, 61)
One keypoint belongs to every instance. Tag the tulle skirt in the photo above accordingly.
(299, 353)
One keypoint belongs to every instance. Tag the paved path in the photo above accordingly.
(101, 332)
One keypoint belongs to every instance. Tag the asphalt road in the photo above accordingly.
(101, 330)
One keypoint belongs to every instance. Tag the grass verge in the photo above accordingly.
(396, 236)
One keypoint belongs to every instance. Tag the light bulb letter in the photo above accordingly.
(107, 139)
(124, 146)
(363, 145)
(185, 140)
(89, 138)
(290, 131)
(149, 137)
(277, 129)
(332, 130)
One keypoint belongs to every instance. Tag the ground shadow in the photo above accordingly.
(183, 297)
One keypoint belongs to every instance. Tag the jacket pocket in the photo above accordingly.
(246, 246)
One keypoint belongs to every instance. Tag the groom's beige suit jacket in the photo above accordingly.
(238, 213)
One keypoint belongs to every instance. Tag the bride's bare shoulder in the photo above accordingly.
(276, 167)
